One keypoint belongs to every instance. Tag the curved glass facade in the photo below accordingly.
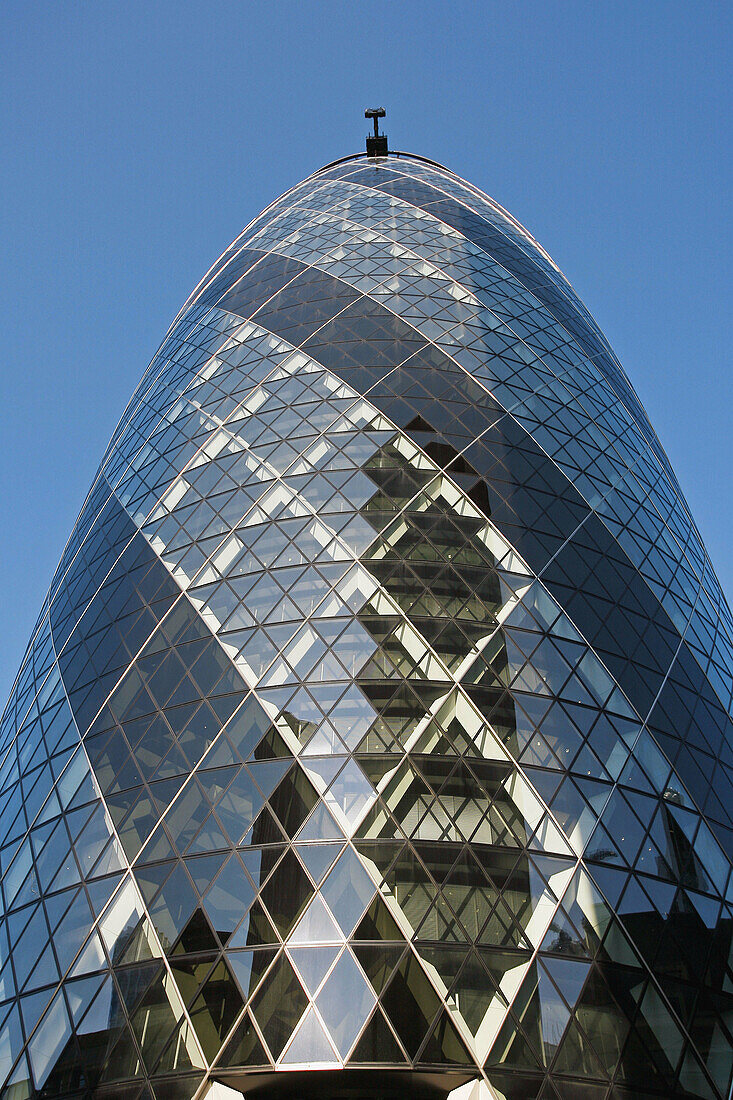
(375, 732)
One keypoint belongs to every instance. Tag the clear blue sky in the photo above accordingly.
(139, 138)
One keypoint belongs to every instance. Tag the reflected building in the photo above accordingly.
(374, 738)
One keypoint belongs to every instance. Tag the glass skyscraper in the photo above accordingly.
(374, 739)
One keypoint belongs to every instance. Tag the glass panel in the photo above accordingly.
(279, 1004)
(313, 963)
(347, 890)
(310, 1045)
(49, 1040)
(345, 1003)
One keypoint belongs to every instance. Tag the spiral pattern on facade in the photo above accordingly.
(376, 729)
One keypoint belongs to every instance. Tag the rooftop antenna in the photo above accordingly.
(376, 144)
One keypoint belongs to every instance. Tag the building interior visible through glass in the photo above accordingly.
(374, 739)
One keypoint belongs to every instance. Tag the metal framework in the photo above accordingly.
(375, 737)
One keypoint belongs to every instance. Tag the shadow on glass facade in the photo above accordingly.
(375, 732)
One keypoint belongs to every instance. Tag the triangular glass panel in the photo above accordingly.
(377, 1044)
(81, 994)
(316, 926)
(318, 858)
(310, 1045)
(378, 923)
(345, 1002)
(512, 1048)
(196, 936)
(254, 931)
(249, 966)
(575, 1055)
(204, 869)
(267, 774)
(312, 963)
(379, 962)
(244, 1048)
(445, 1045)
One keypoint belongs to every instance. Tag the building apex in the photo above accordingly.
(376, 143)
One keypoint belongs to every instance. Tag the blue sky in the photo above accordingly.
(139, 138)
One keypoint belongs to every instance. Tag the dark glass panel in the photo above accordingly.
(215, 1009)
(266, 275)
(244, 1048)
(411, 1004)
(278, 1005)
(377, 1044)
(313, 298)
(286, 892)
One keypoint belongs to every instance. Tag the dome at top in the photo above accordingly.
(375, 735)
